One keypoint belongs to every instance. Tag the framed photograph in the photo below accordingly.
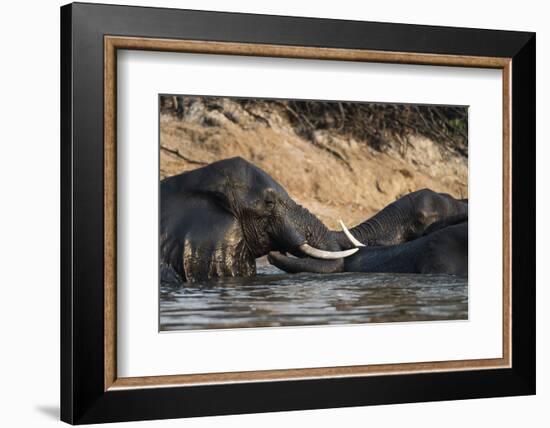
(265, 213)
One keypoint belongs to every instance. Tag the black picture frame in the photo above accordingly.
(83, 398)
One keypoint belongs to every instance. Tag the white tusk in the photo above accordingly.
(352, 238)
(327, 255)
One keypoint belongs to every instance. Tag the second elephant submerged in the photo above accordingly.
(443, 251)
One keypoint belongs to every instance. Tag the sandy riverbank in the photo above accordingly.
(333, 176)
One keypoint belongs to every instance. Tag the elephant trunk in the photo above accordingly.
(303, 234)
(387, 227)
(297, 265)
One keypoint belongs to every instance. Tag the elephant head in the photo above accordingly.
(405, 219)
(216, 220)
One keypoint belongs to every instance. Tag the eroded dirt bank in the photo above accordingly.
(333, 176)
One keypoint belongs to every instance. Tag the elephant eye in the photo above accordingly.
(269, 200)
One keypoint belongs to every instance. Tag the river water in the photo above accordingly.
(274, 298)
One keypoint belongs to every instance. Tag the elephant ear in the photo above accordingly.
(208, 180)
(200, 236)
(219, 180)
(213, 243)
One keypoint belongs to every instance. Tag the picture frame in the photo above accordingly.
(91, 35)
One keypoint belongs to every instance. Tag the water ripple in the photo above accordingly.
(274, 299)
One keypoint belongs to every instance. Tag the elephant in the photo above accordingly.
(422, 232)
(443, 251)
(216, 220)
(404, 220)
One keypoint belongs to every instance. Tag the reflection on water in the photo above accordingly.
(274, 299)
